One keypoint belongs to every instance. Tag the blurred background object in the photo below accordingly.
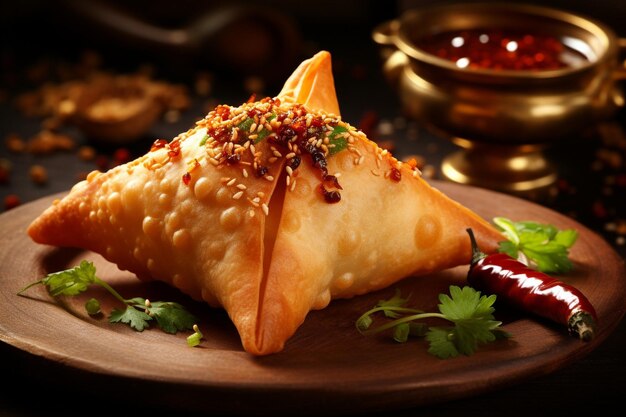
(503, 82)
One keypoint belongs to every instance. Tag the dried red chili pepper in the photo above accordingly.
(532, 290)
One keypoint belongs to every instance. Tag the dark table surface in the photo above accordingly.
(590, 189)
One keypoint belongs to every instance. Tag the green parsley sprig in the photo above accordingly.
(469, 312)
(540, 246)
(138, 313)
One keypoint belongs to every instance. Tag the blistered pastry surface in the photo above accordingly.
(202, 212)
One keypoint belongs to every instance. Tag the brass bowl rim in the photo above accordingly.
(599, 30)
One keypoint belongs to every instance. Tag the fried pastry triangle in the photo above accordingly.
(269, 210)
(312, 85)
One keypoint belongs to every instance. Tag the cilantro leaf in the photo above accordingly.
(472, 315)
(469, 312)
(136, 319)
(544, 247)
(440, 344)
(171, 317)
(71, 281)
(465, 304)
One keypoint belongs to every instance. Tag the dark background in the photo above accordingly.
(41, 38)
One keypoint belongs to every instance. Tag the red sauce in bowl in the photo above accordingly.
(500, 49)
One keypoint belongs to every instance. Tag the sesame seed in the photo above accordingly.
(277, 154)
(266, 209)
(253, 137)
(287, 180)
(231, 182)
(214, 161)
(261, 194)
(251, 213)
(237, 195)
(252, 127)
(373, 171)
(244, 172)
(289, 170)
(293, 185)
(269, 178)
(241, 187)
(272, 159)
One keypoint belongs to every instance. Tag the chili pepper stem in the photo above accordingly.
(582, 324)
(477, 254)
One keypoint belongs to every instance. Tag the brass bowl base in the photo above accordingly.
(521, 170)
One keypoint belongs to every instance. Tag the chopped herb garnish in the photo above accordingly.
(195, 338)
(203, 141)
(92, 306)
(262, 135)
(245, 125)
(138, 312)
(338, 143)
(470, 313)
(541, 246)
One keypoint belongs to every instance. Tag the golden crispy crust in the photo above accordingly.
(269, 210)
(312, 84)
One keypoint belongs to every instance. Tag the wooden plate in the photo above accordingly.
(327, 365)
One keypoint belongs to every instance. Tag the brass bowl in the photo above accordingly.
(502, 119)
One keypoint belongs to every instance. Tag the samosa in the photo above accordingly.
(270, 210)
